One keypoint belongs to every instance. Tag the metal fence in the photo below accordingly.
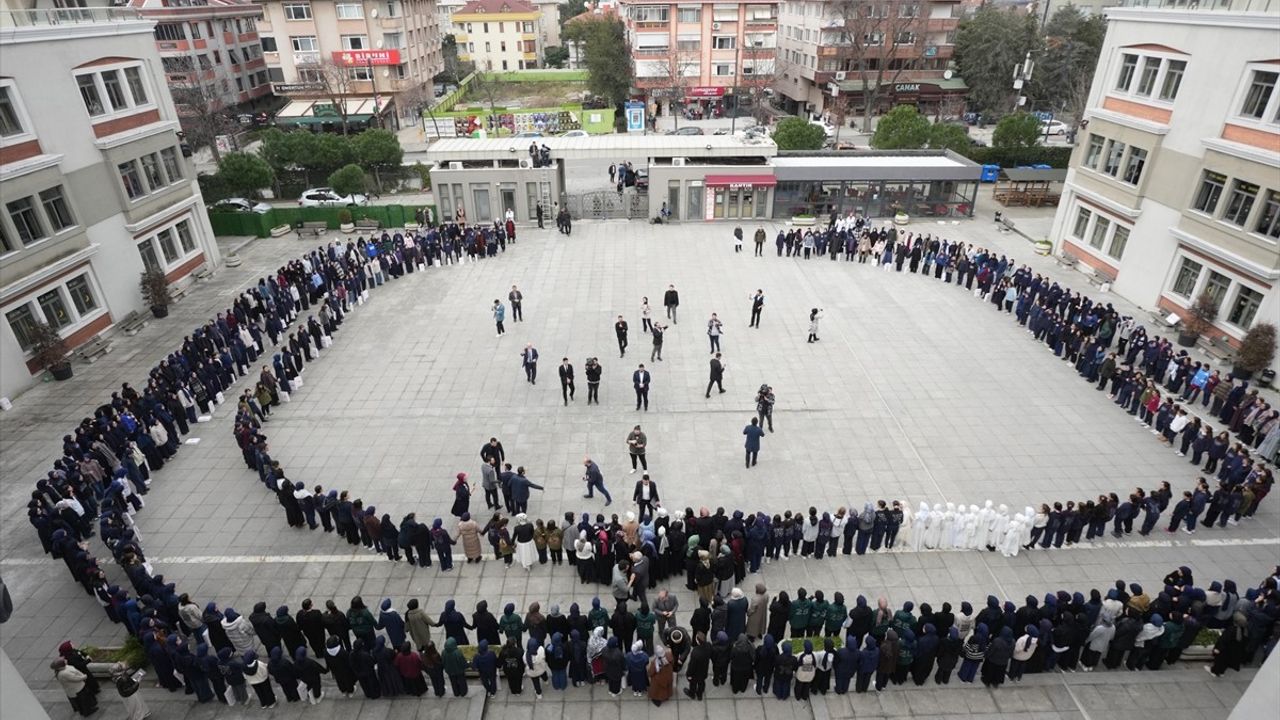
(609, 205)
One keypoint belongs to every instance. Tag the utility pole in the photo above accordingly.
(733, 121)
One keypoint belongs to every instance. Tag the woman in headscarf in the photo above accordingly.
(469, 534)
(522, 535)
(455, 667)
(444, 546)
(433, 666)
(196, 675)
(1097, 643)
(388, 677)
(996, 660)
(339, 663)
(1023, 648)
(455, 624)
(975, 650)
(536, 623)
(485, 663)
(868, 664)
(78, 660)
(661, 676)
(906, 655)
(784, 669)
(1229, 650)
(614, 666)
(309, 672)
(75, 684)
(558, 656)
(161, 663)
(535, 662)
(233, 671)
(584, 552)
(806, 671)
(766, 657)
(926, 653)
(779, 615)
(511, 660)
(127, 686)
(461, 496)
(256, 674)
(637, 669)
(284, 673)
(361, 622)
(409, 664)
(949, 650)
(741, 664)
(579, 665)
(1149, 636)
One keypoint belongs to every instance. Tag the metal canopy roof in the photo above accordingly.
(1035, 175)
(603, 147)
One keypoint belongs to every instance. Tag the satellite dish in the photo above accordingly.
(373, 12)
(947, 75)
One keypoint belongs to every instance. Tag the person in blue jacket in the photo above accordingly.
(390, 621)
(754, 432)
(485, 663)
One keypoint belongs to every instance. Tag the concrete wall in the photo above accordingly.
(478, 187)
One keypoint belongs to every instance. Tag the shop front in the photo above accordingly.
(919, 183)
(703, 101)
(744, 196)
(936, 97)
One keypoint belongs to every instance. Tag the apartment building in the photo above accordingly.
(831, 52)
(549, 10)
(210, 50)
(697, 54)
(1174, 187)
(92, 181)
(379, 56)
(499, 35)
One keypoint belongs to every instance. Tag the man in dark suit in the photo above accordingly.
(646, 496)
(671, 300)
(620, 329)
(566, 380)
(529, 360)
(640, 381)
(717, 374)
(757, 307)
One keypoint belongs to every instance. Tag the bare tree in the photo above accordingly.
(203, 115)
(764, 64)
(683, 66)
(335, 82)
(878, 41)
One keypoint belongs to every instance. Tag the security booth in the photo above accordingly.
(920, 183)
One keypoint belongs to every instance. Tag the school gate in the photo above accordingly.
(609, 205)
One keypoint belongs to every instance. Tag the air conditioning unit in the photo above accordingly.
(526, 164)
(841, 75)
(715, 26)
(455, 165)
(678, 162)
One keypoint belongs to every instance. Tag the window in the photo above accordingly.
(1119, 239)
(872, 39)
(1128, 66)
(1172, 79)
(1083, 215)
(115, 92)
(355, 42)
(148, 253)
(172, 168)
(1094, 152)
(308, 75)
(89, 93)
(393, 40)
(1269, 220)
(23, 324)
(1216, 287)
(1245, 307)
(350, 11)
(1188, 275)
(502, 46)
(393, 8)
(151, 169)
(1261, 88)
(54, 309)
(723, 42)
(82, 295)
(231, 56)
(1147, 79)
(304, 43)
(650, 14)
(1240, 202)
(908, 11)
(527, 27)
(10, 117)
(26, 220)
(360, 73)
(1115, 151)
(56, 209)
(185, 240)
(297, 11)
(1100, 228)
(167, 246)
(132, 182)
(1133, 167)
(688, 42)
(170, 31)
(689, 15)
(1211, 186)
(905, 37)
(269, 44)
(722, 69)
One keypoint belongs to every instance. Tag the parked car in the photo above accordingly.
(827, 129)
(240, 205)
(528, 134)
(1054, 127)
(576, 133)
(326, 197)
(687, 130)
(642, 181)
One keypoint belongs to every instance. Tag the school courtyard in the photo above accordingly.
(917, 391)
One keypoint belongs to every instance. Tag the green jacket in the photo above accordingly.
(454, 662)
(1172, 636)
(598, 617)
(361, 621)
(645, 623)
(511, 626)
(836, 615)
(800, 610)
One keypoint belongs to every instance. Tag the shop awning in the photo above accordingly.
(747, 180)
(319, 112)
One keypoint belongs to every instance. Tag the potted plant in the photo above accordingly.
(803, 220)
(900, 216)
(345, 223)
(1201, 648)
(281, 230)
(1257, 350)
(103, 659)
(49, 351)
(1198, 321)
(155, 291)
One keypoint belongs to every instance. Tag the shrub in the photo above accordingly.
(48, 348)
(344, 216)
(1201, 316)
(155, 288)
(1258, 348)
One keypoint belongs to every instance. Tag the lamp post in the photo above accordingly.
(733, 119)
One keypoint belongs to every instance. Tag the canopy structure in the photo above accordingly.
(319, 112)
(1031, 187)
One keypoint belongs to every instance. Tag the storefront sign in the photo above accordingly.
(705, 91)
(324, 110)
(354, 58)
(635, 117)
(286, 88)
(915, 88)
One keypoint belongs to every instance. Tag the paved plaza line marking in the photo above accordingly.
(379, 557)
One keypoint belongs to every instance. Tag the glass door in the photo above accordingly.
(508, 192)
(480, 196)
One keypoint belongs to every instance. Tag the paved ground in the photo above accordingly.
(916, 391)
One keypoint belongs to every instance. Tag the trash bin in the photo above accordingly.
(990, 173)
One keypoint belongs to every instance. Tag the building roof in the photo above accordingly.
(495, 7)
(598, 10)
(873, 165)
(603, 146)
(1035, 174)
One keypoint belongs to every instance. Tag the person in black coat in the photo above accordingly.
(337, 625)
(720, 652)
(283, 671)
(697, 667)
(309, 672)
(365, 669)
(265, 626)
(845, 666)
(485, 624)
(289, 632)
(949, 649)
(1127, 629)
(615, 666)
(779, 614)
(925, 655)
(339, 663)
(742, 658)
(311, 624)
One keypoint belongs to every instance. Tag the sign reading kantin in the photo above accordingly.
(353, 58)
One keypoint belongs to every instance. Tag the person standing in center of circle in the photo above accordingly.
(529, 360)
(814, 316)
(671, 301)
(636, 443)
(753, 432)
(593, 372)
(620, 329)
(595, 481)
(757, 307)
(499, 315)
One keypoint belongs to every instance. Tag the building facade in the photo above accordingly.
(94, 186)
(830, 52)
(693, 57)
(499, 35)
(210, 52)
(549, 10)
(378, 56)
(1174, 187)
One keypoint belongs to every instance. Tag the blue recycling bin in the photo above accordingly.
(990, 173)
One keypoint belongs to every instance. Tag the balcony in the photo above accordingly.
(1239, 6)
(44, 17)
(664, 50)
(391, 23)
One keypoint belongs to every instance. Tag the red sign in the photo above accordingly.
(356, 58)
(705, 91)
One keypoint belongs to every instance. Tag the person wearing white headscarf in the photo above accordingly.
(522, 535)
(999, 527)
(1012, 541)
(920, 526)
(933, 535)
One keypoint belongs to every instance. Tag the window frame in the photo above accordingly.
(1271, 109)
(287, 7)
(1208, 177)
(131, 106)
(26, 132)
(1235, 212)
(181, 255)
(338, 10)
(1155, 94)
(1267, 225)
(1129, 174)
(76, 319)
